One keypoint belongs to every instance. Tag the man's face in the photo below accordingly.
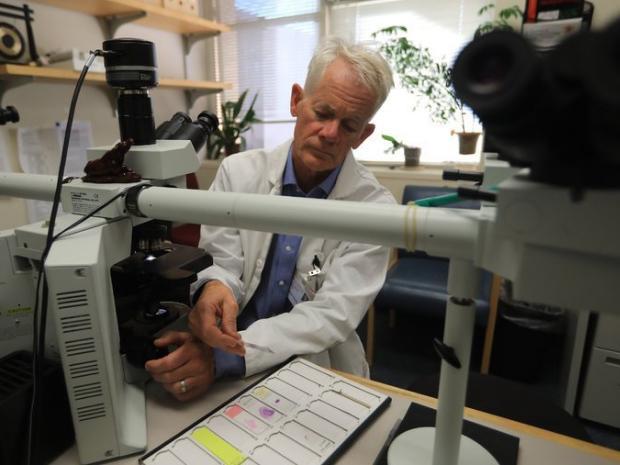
(331, 119)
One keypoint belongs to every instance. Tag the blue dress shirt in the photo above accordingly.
(271, 296)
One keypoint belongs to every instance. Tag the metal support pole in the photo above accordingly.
(463, 283)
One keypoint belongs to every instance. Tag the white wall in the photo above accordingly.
(42, 104)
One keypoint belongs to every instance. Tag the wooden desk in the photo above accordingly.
(166, 416)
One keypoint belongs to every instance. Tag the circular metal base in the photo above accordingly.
(415, 447)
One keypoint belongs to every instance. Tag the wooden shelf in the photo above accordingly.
(156, 16)
(9, 72)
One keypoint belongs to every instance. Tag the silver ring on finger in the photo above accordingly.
(184, 387)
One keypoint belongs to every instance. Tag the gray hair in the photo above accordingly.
(371, 67)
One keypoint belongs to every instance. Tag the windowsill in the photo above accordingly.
(395, 168)
(426, 170)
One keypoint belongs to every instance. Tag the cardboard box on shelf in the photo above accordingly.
(189, 7)
(72, 59)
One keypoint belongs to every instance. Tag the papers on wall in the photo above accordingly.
(5, 164)
(546, 35)
(39, 153)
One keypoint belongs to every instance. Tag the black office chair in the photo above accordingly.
(417, 283)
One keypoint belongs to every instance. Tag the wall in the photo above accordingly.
(42, 104)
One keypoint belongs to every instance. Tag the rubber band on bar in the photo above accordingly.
(410, 226)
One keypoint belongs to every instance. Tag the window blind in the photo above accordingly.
(267, 50)
(444, 26)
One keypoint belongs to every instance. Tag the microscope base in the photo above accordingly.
(415, 447)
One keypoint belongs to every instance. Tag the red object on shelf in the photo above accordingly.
(532, 10)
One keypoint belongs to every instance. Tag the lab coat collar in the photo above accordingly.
(345, 184)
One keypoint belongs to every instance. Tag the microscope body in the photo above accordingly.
(108, 411)
(93, 273)
(555, 251)
(109, 279)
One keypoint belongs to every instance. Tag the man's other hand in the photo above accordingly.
(188, 371)
(214, 318)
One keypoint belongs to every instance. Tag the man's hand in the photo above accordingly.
(217, 302)
(187, 372)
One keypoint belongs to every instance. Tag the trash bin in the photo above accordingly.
(526, 336)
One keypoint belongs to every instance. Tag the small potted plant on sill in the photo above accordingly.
(429, 80)
(412, 154)
(228, 138)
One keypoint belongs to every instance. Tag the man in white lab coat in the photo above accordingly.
(290, 295)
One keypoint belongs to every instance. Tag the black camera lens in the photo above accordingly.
(131, 67)
(130, 63)
(135, 117)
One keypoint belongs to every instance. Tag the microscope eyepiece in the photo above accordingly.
(167, 129)
(181, 127)
(556, 112)
(8, 115)
(208, 121)
(496, 72)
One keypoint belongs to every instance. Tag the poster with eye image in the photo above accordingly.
(300, 414)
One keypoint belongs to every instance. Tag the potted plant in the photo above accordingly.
(429, 80)
(228, 138)
(502, 21)
(412, 154)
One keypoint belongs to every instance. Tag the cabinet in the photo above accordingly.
(115, 13)
(601, 379)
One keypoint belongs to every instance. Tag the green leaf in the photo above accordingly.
(390, 139)
(232, 125)
(486, 8)
(239, 104)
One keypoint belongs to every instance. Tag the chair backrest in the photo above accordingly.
(413, 193)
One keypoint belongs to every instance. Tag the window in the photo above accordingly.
(268, 50)
(272, 41)
(443, 26)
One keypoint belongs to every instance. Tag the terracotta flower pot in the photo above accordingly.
(467, 142)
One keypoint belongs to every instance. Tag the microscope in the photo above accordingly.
(551, 228)
(115, 281)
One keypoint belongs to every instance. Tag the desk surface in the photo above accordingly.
(166, 416)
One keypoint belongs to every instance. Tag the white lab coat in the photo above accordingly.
(323, 329)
